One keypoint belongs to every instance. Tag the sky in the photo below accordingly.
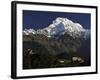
(41, 19)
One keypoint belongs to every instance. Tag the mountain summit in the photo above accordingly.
(61, 26)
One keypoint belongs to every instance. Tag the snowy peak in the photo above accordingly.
(29, 31)
(60, 26)
(68, 24)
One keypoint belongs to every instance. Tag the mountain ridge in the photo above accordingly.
(61, 26)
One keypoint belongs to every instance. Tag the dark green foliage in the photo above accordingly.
(41, 57)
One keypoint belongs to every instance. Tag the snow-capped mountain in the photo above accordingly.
(64, 25)
(61, 40)
(28, 31)
(61, 26)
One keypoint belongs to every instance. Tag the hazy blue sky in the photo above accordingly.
(41, 19)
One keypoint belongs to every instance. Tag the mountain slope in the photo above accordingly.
(63, 39)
